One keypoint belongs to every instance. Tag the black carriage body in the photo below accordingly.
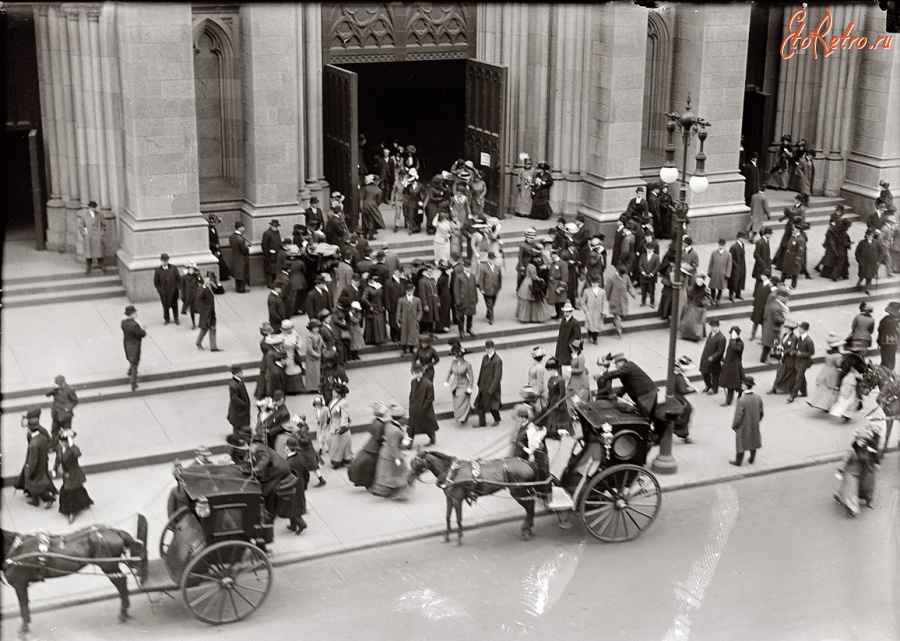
(235, 501)
(631, 431)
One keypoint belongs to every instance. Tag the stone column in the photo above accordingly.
(111, 122)
(98, 137)
(875, 147)
(618, 34)
(710, 66)
(270, 120)
(312, 40)
(56, 213)
(162, 204)
(71, 53)
(303, 193)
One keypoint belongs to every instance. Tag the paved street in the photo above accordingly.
(737, 560)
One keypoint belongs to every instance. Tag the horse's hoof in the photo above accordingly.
(565, 525)
(456, 544)
(124, 617)
(446, 539)
(526, 535)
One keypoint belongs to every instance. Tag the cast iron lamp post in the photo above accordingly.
(690, 124)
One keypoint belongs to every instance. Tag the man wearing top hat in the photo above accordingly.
(762, 258)
(270, 244)
(489, 384)
(132, 333)
(569, 330)
(239, 260)
(167, 282)
(238, 402)
(92, 227)
(35, 479)
(806, 349)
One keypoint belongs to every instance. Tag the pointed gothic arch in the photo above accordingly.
(657, 80)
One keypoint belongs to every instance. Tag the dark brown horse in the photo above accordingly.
(30, 558)
(888, 399)
(461, 482)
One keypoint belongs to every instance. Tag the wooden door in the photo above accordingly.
(485, 137)
(340, 124)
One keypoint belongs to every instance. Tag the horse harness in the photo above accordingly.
(472, 495)
(38, 560)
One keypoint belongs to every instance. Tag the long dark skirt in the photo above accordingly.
(74, 500)
(784, 378)
(362, 470)
(665, 302)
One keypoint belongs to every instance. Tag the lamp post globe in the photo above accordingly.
(668, 174)
(699, 184)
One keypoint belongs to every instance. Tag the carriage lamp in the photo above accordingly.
(606, 434)
(690, 125)
(201, 507)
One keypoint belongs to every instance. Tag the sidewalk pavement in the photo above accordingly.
(342, 518)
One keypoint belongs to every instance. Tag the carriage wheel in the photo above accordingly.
(619, 503)
(168, 533)
(226, 582)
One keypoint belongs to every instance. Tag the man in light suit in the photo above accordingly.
(490, 280)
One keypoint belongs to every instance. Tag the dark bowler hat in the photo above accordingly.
(749, 382)
(804, 325)
(766, 231)
(274, 222)
(236, 369)
(893, 308)
(313, 201)
(164, 256)
(131, 309)
(34, 413)
(488, 344)
(92, 204)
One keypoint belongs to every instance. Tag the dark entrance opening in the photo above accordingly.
(414, 103)
(18, 207)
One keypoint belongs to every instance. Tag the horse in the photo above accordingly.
(468, 480)
(888, 399)
(30, 558)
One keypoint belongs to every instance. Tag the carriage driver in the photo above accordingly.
(639, 387)
(529, 446)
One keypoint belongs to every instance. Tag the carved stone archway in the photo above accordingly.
(657, 81)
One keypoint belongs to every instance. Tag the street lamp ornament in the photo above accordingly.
(690, 125)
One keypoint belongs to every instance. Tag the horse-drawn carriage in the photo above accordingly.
(213, 547)
(598, 473)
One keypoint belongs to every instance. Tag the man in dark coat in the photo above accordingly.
(132, 334)
(239, 261)
(35, 476)
(270, 244)
(315, 219)
(465, 296)
(738, 274)
(298, 465)
(319, 298)
(639, 387)
(275, 304)
(889, 335)
(393, 291)
(638, 209)
(711, 359)
(270, 469)
(762, 258)
(595, 264)
(569, 330)
(806, 349)
(489, 378)
(732, 368)
(750, 171)
(490, 280)
(65, 399)
(206, 306)
(747, 415)
(238, 402)
(215, 248)
(427, 293)
(867, 259)
(336, 231)
(421, 406)
(167, 282)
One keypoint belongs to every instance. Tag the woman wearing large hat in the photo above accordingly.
(829, 378)
(889, 335)
(861, 329)
(540, 192)
(460, 381)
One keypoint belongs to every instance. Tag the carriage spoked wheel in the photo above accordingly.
(620, 503)
(226, 582)
(168, 532)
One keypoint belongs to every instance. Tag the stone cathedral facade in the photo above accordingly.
(163, 113)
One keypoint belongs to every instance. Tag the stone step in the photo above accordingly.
(83, 281)
(522, 336)
(177, 452)
(42, 279)
(54, 296)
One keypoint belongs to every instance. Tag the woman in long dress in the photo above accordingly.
(557, 418)
(341, 447)
(829, 377)
(442, 231)
(293, 344)
(391, 470)
(531, 307)
(460, 381)
(858, 472)
(362, 470)
(73, 498)
(537, 380)
(849, 399)
(540, 192)
(780, 176)
(579, 383)
(375, 331)
(313, 359)
(526, 178)
(803, 170)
